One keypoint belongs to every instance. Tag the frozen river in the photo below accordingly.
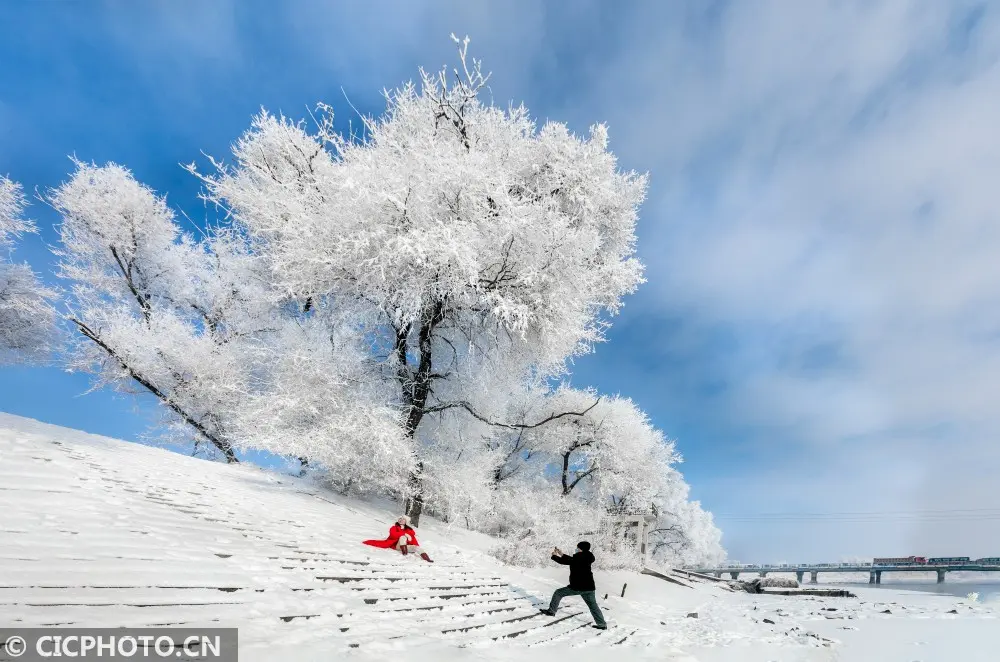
(987, 589)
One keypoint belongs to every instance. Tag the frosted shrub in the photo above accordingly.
(615, 552)
(551, 523)
(456, 482)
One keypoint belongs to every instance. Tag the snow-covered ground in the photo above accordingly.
(99, 532)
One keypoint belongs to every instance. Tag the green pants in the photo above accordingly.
(590, 597)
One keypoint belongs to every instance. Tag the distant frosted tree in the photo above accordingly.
(27, 318)
(600, 451)
(471, 244)
(537, 486)
(684, 533)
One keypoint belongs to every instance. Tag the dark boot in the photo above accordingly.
(547, 612)
(425, 557)
(404, 550)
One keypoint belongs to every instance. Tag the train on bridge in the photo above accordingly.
(915, 561)
(935, 560)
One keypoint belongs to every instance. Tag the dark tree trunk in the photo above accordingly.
(565, 473)
(415, 502)
(415, 505)
(416, 389)
(567, 484)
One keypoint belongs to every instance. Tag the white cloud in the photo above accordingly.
(823, 182)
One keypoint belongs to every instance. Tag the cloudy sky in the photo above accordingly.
(821, 327)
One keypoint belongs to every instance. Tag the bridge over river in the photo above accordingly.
(874, 571)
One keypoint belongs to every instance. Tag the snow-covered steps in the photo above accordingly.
(97, 532)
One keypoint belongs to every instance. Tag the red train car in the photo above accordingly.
(900, 560)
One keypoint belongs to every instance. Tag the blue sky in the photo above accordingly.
(820, 328)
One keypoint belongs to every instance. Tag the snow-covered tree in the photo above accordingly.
(394, 308)
(27, 318)
(318, 399)
(136, 291)
(198, 325)
(595, 454)
(536, 486)
(684, 533)
(472, 245)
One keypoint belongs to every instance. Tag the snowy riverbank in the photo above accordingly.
(98, 532)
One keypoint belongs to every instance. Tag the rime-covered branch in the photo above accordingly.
(224, 446)
(511, 426)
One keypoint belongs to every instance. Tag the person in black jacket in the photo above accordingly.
(581, 582)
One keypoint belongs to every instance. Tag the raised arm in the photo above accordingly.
(562, 558)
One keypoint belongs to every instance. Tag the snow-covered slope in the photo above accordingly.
(99, 532)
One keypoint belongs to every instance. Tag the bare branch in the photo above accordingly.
(512, 426)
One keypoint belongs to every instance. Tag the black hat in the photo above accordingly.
(584, 545)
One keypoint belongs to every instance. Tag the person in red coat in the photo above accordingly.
(401, 537)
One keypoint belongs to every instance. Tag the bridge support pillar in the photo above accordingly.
(940, 574)
(878, 576)
(763, 573)
(719, 575)
(734, 575)
(871, 577)
(798, 575)
(813, 577)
